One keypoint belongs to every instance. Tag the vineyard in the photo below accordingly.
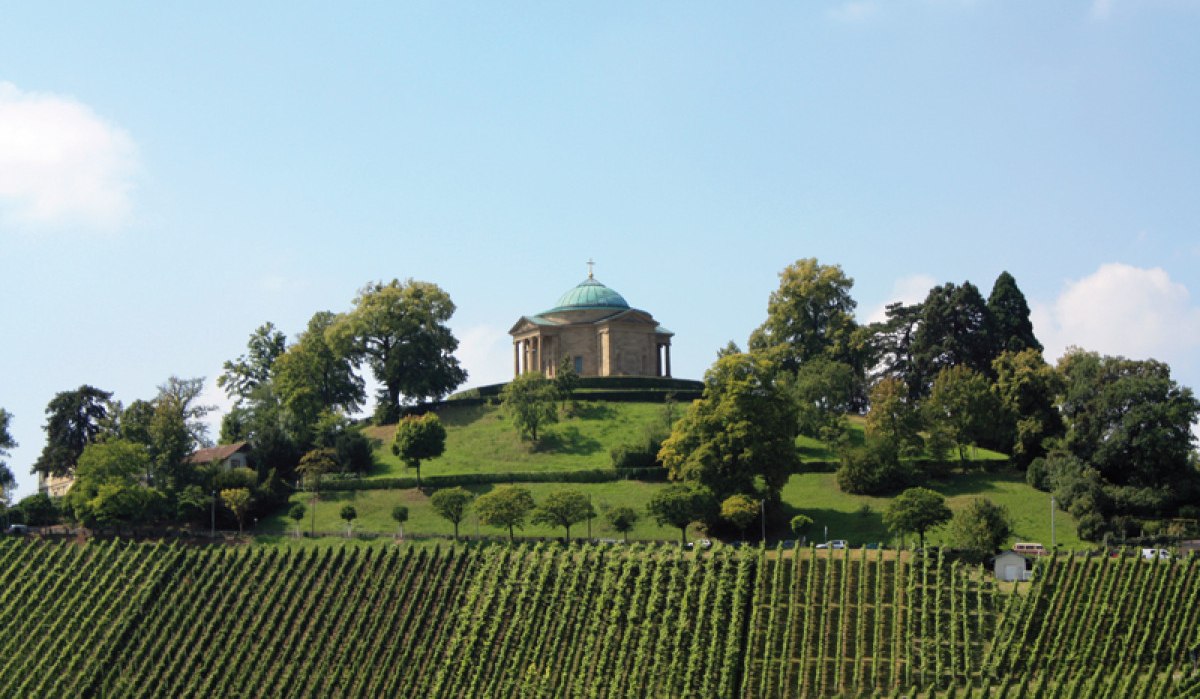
(123, 619)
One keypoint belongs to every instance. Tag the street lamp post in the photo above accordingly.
(1052, 539)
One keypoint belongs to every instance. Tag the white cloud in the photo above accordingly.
(1122, 310)
(61, 164)
(485, 351)
(906, 290)
(857, 11)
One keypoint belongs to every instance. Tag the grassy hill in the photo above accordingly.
(480, 440)
(152, 620)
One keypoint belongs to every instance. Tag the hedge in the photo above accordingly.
(594, 475)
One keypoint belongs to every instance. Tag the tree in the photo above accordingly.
(963, 405)
(399, 330)
(678, 506)
(348, 515)
(1012, 328)
(890, 345)
(1130, 421)
(955, 330)
(296, 513)
(400, 516)
(873, 468)
(800, 524)
(742, 429)
(740, 511)
(7, 481)
(566, 380)
(916, 510)
(894, 416)
(564, 508)
(238, 501)
(243, 375)
(73, 423)
(824, 391)
(450, 504)
(980, 528)
(810, 315)
(418, 439)
(507, 506)
(313, 466)
(108, 488)
(312, 379)
(1027, 388)
(529, 401)
(622, 520)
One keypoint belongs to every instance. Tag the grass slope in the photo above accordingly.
(481, 439)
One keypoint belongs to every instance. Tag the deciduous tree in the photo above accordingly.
(1027, 388)
(450, 504)
(679, 505)
(508, 506)
(240, 377)
(741, 430)
(7, 481)
(399, 330)
(916, 510)
(400, 516)
(894, 416)
(622, 520)
(238, 502)
(810, 315)
(296, 513)
(980, 528)
(740, 511)
(418, 439)
(529, 401)
(348, 515)
(963, 405)
(564, 508)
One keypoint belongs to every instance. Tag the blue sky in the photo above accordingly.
(173, 175)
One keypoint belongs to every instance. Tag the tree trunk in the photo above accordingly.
(418, 475)
(511, 538)
(683, 535)
(568, 528)
(456, 531)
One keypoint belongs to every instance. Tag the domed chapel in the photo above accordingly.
(601, 333)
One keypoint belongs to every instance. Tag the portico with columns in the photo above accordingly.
(598, 331)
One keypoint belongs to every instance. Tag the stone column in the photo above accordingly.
(668, 361)
(658, 360)
(540, 362)
(516, 359)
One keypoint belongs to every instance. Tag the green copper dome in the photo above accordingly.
(590, 294)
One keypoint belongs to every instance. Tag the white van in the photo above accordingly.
(1026, 548)
(1151, 554)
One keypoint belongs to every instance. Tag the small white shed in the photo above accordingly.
(1010, 566)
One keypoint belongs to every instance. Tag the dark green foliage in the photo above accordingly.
(980, 528)
(529, 401)
(586, 475)
(1130, 421)
(955, 330)
(622, 520)
(399, 330)
(874, 468)
(1012, 330)
(73, 421)
(36, 510)
(810, 315)
(449, 503)
(916, 510)
(508, 506)
(7, 481)
(348, 513)
(563, 508)
(680, 505)
(961, 407)
(297, 511)
(742, 432)
(1027, 388)
(419, 438)
(824, 391)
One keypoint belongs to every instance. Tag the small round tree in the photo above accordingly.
(237, 500)
(452, 504)
(740, 511)
(622, 519)
(400, 516)
(507, 506)
(916, 510)
(349, 514)
(678, 506)
(563, 508)
(296, 513)
(980, 528)
(418, 439)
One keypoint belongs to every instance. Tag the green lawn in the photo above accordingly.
(817, 495)
(479, 439)
(375, 507)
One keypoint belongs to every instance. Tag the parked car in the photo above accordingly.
(1026, 548)
(705, 544)
(17, 529)
(834, 544)
(1151, 554)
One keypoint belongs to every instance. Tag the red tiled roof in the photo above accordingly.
(217, 453)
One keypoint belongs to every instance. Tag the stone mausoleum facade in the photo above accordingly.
(600, 333)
